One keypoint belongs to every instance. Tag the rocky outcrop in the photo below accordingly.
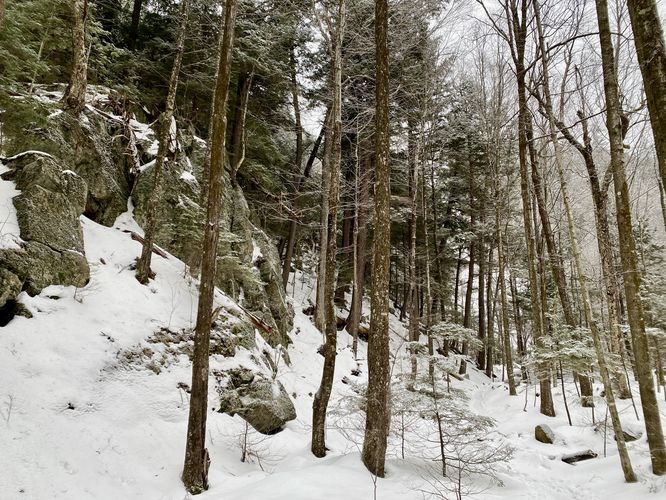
(48, 209)
(95, 149)
(262, 402)
(248, 263)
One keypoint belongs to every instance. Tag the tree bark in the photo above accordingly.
(378, 410)
(143, 271)
(195, 472)
(632, 279)
(74, 99)
(651, 52)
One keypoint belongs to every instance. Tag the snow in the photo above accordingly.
(188, 176)
(79, 419)
(256, 251)
(10, 234)
(24, 153)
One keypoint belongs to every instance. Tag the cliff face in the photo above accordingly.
(99, 166)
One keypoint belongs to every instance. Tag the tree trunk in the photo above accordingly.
(74, 99)
(651, 52)
(143, 271)
(195, 472)
(237, 154)
(378, 413)
(490, 312)
(134, 26)
(481, 301)
(320, 307)
(628, 257)
(508, 355)
(413, 147)
(320, 403)
(293, 223)
(360, 244)
(467, 315)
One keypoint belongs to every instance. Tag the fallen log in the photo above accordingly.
(579, 456)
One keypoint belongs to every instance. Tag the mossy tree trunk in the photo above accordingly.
(195, 472)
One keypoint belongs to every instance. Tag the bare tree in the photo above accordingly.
(195, 472)
(629, 475)
(320, 403)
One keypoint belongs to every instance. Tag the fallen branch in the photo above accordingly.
(137, 237)
(256, 321)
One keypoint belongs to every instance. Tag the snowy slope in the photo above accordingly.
(81, 417)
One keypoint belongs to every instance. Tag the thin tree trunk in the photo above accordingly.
(143, 271)
(360, 244)
(481, 300)
(467, 315)
(320, 403)
(490, 312)
(414, 317)
(237, 155)
(508, 356)
(378, 411)
(293, 223)
(74, 99)
(320, 307)
(195, 472)
(632, 277)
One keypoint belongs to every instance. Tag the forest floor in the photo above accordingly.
(86, 411)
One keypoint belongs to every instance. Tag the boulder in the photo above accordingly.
(631, 435)
(263, 403)
(544, 434)
(47, 210)
(10, 286)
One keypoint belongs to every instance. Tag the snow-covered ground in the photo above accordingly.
(81, 418)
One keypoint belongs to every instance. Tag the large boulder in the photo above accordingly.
(263, 403)
(48, 209)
